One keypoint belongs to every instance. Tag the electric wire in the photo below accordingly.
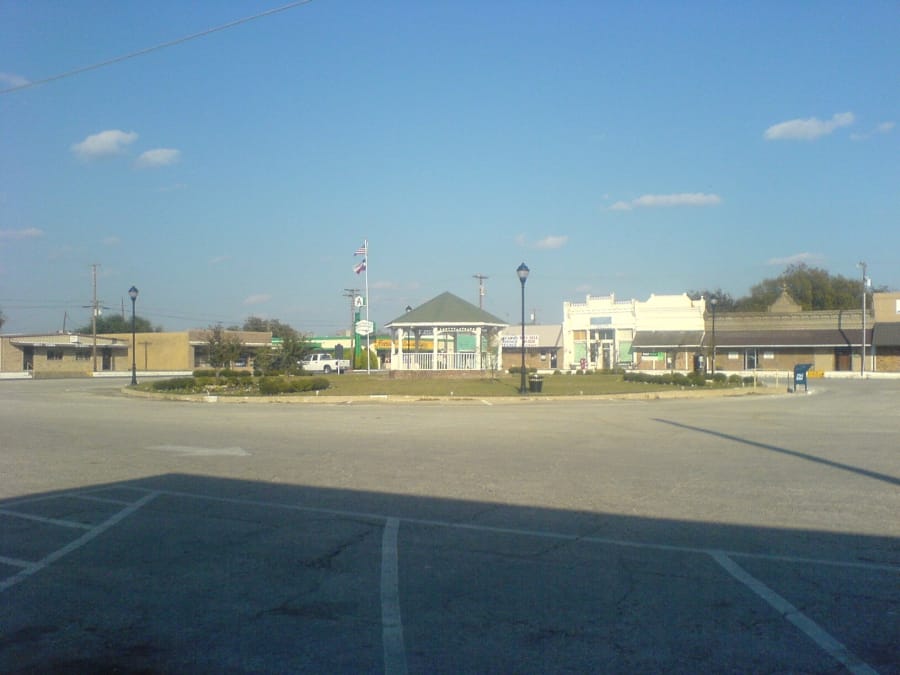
(154, 48)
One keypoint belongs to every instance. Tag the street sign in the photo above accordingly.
(364, 327)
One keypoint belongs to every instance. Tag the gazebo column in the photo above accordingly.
(399, 333)
(479, 364)
(434, 347)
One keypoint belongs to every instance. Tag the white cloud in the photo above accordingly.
(104, 144)
(883, 128)
(257, 299)
(549, 242)
(156, 158)
(12, 80)
(219, 259)
(666, 201)
(112, 240)
(796, 259)
(25, 233)
(808, 129)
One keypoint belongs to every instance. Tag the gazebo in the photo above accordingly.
(446, 333)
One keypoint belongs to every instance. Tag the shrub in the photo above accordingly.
(204, 372)
(720, 378)
(516, 370)
(696, 379)
(734, 380)
(272, 386)
(748, 380)
(174, 384)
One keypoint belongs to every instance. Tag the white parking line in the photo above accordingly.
(49, 521)
(88, 536)
(392, 626)
(391, 620)
(815, 632)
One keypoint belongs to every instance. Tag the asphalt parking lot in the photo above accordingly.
(740, 535)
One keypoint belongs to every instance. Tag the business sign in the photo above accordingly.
(515, 341)
(364, 327)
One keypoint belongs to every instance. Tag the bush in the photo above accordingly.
(696, 379)
(175, 384)
(748, 381)
(720, 378)
(234, 374)
(734, 380)
(204, 372)
(517, 370)
(272, 386)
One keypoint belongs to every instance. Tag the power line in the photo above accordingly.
(154, 48)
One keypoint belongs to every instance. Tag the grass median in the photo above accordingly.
(380, 383)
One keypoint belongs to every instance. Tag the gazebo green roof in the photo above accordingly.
(447, 308)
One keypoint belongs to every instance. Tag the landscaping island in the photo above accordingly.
(242, 384)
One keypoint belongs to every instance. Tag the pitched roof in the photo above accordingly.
(444, 309)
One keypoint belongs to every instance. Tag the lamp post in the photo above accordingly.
(862, 362)
(522, 270)
(133, 293)
(713, 302)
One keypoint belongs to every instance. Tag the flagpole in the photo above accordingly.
(369, 334)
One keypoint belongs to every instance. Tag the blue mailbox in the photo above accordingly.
(800, 371)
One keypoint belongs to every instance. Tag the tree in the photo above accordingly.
(813, 288)
(285, 357)
(724, 301)
(223, 348)
(116, 323)
(278, 329)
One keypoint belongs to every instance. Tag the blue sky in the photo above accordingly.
(627, 148)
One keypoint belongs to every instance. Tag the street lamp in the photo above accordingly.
(522, 270)
(713, 302)
(133, 293)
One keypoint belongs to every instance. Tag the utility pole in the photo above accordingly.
(352, 293)
(481, 279)
(94, 308)
(862, 364)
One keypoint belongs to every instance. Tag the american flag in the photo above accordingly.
(362, 250)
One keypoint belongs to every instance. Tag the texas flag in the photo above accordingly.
(360, 267)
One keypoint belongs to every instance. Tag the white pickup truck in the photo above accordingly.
(325, 363)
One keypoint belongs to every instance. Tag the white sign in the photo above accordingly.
(358, 301)
(364, 327)
(515, 341)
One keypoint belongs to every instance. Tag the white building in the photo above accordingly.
(603, 333)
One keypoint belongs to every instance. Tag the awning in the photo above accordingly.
(788, 338)
(886, 335)
(661, 340)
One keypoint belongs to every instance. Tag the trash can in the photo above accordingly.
(535, 384)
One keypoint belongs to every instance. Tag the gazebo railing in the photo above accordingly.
(445, 361)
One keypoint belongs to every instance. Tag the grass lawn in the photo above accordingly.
(378, 383)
